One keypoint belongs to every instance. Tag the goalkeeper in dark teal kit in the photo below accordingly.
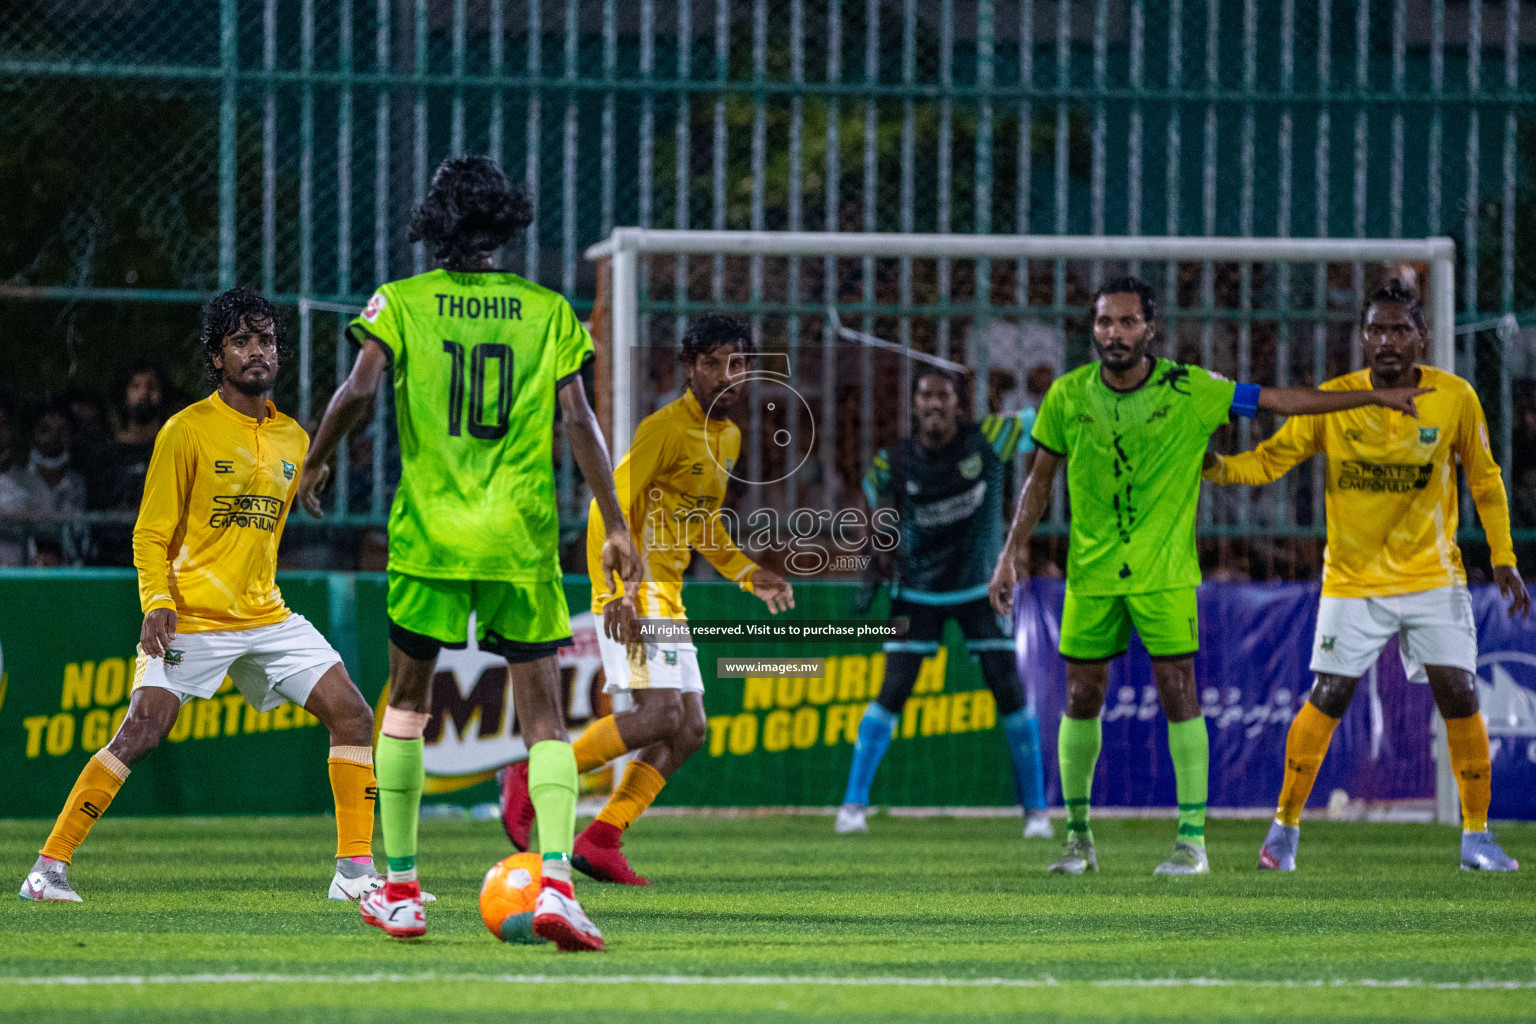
(946, 485)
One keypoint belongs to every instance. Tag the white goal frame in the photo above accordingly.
(626, 245)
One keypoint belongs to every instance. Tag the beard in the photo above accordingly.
(1128, 360)
(251, 389)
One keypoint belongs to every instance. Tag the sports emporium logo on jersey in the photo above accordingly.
(254, 510)
(375, 307)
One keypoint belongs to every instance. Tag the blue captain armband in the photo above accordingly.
(1245, 400)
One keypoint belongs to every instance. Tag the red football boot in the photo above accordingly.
(517, 806)
(596, 853)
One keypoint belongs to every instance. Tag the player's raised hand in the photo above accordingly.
(1400, 399)
(775, 591)
(1012, 569)
(159, 632)
(1513, 589)
(311, 482)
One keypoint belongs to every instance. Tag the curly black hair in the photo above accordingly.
(709, 332)
(222, 316)
(471, 209)
(1129, 286)
(1395, 291)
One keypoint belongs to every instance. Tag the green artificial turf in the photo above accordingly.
(1378, 924)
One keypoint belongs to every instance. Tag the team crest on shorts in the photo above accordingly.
(1427, 435)
(670, 657)
(174, 657)
(970, 468)
(1327, 642)
(287, 469)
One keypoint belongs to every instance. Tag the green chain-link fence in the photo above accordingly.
(151, 152)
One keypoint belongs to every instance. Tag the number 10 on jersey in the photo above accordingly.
(479, 428)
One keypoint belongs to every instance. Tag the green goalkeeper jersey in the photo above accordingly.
(476, 360)
(1133, 473)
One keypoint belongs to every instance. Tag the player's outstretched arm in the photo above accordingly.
(1297, 440)
(591, 452)
(1312, 402)
(348, 407)
(1013, 563)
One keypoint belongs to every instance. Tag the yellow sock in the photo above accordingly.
(634, 793)
(598, 744)
(1468, 739)
(98, 783)
(356, 792)
(1305, 745)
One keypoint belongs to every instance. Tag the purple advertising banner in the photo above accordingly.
(1255, 645)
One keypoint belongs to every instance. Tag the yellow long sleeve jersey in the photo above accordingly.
(1391, 492)
(216, 497)
(670, 484)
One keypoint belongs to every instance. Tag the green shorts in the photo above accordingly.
(510, 618)
(1097, 628)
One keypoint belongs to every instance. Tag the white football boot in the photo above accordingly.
(850, 818)
(354, 880)
(49, 880)
(401, 917)
(1077, 856)
(1479, 852)
(560, 919)
(1037, 825)
(1187, 859)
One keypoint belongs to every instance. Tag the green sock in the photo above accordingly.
(398, 769)
(1077, 749)
(552, 787)
(1191, 749)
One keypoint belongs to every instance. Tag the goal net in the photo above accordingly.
(842, 323)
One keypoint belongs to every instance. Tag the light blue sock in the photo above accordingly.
(874, 737)
(1023, 731)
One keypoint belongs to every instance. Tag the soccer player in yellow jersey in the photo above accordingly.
(220, 484)
(1392, 565)
(670, 484)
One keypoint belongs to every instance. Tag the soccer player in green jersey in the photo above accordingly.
(1133, 429)
(478, 357)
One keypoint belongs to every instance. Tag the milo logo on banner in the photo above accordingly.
(473, 728)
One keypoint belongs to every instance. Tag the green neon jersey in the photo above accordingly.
(1133, 473)
(476, 360)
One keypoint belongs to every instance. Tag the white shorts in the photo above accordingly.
(1433, 627)
(671, 666)
(269, 664)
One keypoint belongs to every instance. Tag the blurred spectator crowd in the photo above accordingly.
(72, 467)
(72, 471)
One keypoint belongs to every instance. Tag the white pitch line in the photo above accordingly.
(752, 980)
